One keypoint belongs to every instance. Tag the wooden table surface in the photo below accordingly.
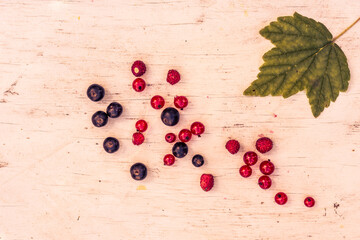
(57, 182)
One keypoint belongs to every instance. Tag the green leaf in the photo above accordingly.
(304, 57)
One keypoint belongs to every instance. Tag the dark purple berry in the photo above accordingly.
(114, 110)
(138, 171)
(111, 145)
(170, 116)
(180, 149)
(198, 160)
(99, 119)
(95, 92)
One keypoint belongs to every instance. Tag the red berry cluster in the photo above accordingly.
(250, 158)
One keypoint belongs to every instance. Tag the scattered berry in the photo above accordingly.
(99, 119)
(170, 116)
(198, 160)
(180, 149)
(141, 125)
(169, 159)
(281, 198)
(170, 137)
(180, 102)
(157, 102)
(138, 171)
(139, 85)
(206, 182)
(309, 202)
(173, 77)
(245, 171)
(138, 68)
(197, 128)
(264, 144)
(114, 110)
(264, 182)
(95, 92)
(185, 135)
(111, 145)
(267, 167)
(138, 138)
(232, 146)
(250, 158)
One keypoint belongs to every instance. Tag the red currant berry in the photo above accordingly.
(281, 198)
(264, 144)
(138, 138)
(264, 182)
(180, 102)
(170, 137)
(169, 159)
(139, 84)
(232, 146)
(141, 125)
(245, 171)
(138, 68)
(157, 102)
(309, 202)
(185, 135)
(173, 77)
(250, 158)
(197, 128)
(267, 167)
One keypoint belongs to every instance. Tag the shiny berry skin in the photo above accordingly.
(250, 158)
(233, 146)
(264, 144)
(281, 198)
(111, 145)
(245, 171)
(170, 116)
(264, 182)
(114, 110)
(206, 182)
(141, 125)
(180, 102)
(99, 119)
(185, 135)
(169, 159)
(138, 138)
(95, 92)
(197, 128)
(267, 167)
(173, 77)
(180, 149)
(170, 137)
(157, 102)
(139, 85)
(138, 68)
(309, 202)
(198, 160)
(138, 171)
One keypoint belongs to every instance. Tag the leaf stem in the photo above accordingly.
(335, 38)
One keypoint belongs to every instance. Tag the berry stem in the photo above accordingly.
(335, 38)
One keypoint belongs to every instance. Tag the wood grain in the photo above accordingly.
(57, 182)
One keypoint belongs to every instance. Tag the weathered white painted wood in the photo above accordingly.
(56, 181)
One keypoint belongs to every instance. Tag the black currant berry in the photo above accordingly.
(99, 119)
(180, 149)
(138, 171)
(95, 92)
(170, 116)
(114, 110)
(111, 145)
(198, 160)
